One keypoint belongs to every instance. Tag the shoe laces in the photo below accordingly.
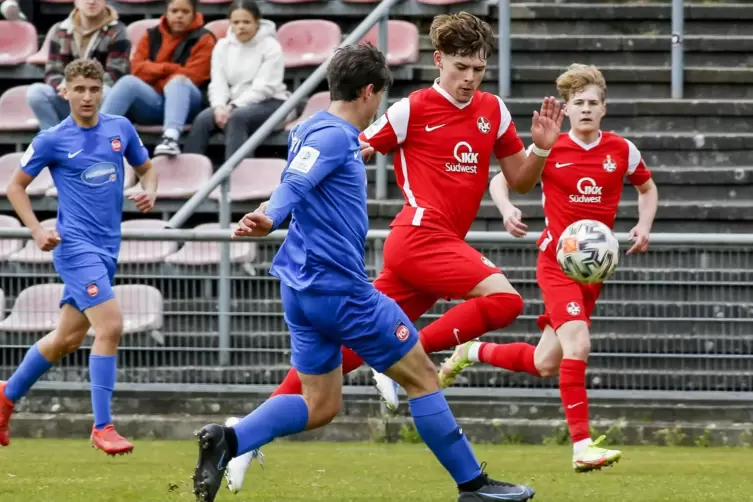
(494, 482)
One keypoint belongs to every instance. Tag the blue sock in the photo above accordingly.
(32, 367)
(279, 416)
(441, 433)
(102, 370)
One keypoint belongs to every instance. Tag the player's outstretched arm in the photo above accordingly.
(648, 203)
(45, 239)
(512, 217)
(148, 179)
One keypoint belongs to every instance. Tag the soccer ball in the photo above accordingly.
(588, 251)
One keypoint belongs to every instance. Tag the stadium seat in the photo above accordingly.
(8, 164)
(18, 41)
(30, 253)
(208, 253)
(9, 246)
(41, 184)
(15, 113)
(402, 42)
(40, 57)
(37, 309)
(253, 179)
(218, 27)
(179, 177)
(57, 1)
(141, 305)
(137, 29)
(128, 180)
(143, 252)
(308, 42)
(316, 102)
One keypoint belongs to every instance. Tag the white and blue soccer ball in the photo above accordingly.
(588, 252)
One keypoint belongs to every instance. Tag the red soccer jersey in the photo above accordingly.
(583, 181)
(443, 153)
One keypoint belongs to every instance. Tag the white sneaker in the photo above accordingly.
(235, 472)
(387, 389)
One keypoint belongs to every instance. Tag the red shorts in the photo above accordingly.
(422, 266)
(564, 299)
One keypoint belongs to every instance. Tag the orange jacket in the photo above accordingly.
(158, 72)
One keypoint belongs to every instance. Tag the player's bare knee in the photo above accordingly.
(66, 342)
(323, 408)
(575, 339)
(492, 285)
(109, 331)
(546, 366)
(415, 373)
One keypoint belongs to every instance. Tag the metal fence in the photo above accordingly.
(676, 319)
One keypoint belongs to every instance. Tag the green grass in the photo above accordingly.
(70, 471)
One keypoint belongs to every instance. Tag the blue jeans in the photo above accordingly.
(49, 108)
(133, 98)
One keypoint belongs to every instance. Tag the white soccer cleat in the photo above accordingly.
(594, 457)
(236, 469)
(387, 389)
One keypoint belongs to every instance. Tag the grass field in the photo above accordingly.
(70, 471)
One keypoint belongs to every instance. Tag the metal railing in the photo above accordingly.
(676, 320)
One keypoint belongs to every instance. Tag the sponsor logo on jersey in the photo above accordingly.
(100, 174)
(610, 166)
(467, 159)
(92, 289)
(486, 261)
(590, 192)
(402, 332)
(483, 125)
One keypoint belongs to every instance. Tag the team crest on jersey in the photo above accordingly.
(609, 165)
(483, 125)
(115, 143)
(486, 261)
(573, 308)
(92, 289)
(401, 331)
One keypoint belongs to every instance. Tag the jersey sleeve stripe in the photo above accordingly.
(409, 193)
(505, 119)
(398, 115)
(634, 157)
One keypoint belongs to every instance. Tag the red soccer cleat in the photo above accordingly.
(109, 441)
(6, 410)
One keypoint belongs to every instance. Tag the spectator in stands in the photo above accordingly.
(170, 73)
(242, 96)
(91, 31)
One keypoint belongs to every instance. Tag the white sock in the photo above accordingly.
(581, 445)
(473, 351)
(172, 134)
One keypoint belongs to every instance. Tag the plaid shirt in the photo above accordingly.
(110, 46)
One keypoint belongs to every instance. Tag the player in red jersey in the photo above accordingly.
(443, 138)
(583, 179)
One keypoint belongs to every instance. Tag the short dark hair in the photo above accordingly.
(87, 68)
(353, 67)
(194, 4)
(462, 34)
(248, 5)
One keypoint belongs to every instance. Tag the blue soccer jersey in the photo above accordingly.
(87, 167)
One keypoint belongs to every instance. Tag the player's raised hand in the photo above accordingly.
(513, 221)
(46, 239)
(639, 237)
(366, 150)
(547, 123)
(143, 200)
(253, 225)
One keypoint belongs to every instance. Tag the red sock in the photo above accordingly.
(516, 357)
(292, 384)
(471, 319)
(574, 398)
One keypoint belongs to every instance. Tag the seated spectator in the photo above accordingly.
(242, 96)
(91, 31)
(170, 73)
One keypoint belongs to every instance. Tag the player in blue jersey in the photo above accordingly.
(85, 155)
(328, 299)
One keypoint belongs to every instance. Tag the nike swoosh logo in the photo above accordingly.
(570, 407)
(456, 332)
(355, 155)
(560, 166)
(71, 155)
(220, 465)
(434, 128)
(504, 496)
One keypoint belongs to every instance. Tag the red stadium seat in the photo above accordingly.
(196, 253)
(141, 305)
(40, 58)
(253, 179)
(9, 246)
(30, 253)
(402, 42)
(308, 42)
(137, 29)
(316, 102)
(37, 309)
(179, 177)
(15, 113)
(132, 252)
(18, 41)
(218, 27)
(9, 162)
(361, 1)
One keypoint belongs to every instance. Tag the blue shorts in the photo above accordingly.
(87, 277)
(371, 324)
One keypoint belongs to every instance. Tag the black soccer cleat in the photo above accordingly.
(494, 491)
(214, 455)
